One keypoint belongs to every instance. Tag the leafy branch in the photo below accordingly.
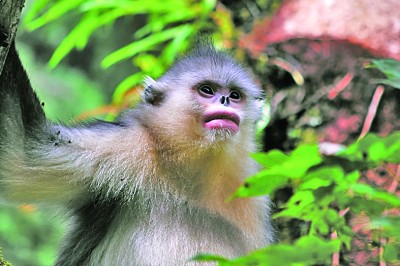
(326, 192)
(169, 24)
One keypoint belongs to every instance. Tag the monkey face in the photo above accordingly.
(205, 99)
(222, 107)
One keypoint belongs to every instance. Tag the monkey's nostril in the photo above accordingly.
(224, 100)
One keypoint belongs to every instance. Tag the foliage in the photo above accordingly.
(391, 69)
(170, 24)
(308, 250)
(327, 191)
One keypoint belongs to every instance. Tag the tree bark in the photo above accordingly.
(10, 12)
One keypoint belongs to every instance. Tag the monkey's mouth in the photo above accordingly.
(222, 120)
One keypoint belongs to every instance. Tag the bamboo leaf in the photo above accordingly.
(145, 44)
(56, 11)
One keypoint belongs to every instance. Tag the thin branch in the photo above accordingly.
(372, 111)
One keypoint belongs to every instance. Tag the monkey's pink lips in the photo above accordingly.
(222, 120)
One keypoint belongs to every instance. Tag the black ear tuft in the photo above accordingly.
(152, 95)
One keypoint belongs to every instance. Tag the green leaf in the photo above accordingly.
(392, 144)
(280, 169)
(300, 160)
(346, 234)
(308, 250)
(150, 65)
(391, 68)
(391, 252)
(315, 183)
(209, 257)
(353, 177)
(301, 198)
(208, 5)
(125, 85)
(79, 36)
(104, 5)
(375, 149)
(395, 83)
(134, 48)
(332, 217)
(137, 7)
(376, 194)
(298, 206)
(34, 10)
(322, 177)
(272, 158)
(387, 225)
(59, 9)
(158, 22)
(177, 45)
(363, 205)
(321, 227)
(262, 183)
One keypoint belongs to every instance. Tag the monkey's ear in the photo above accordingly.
(259, 102)
(152, 94)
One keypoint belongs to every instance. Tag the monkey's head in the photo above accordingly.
(205, 96)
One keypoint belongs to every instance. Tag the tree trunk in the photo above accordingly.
(10, 12)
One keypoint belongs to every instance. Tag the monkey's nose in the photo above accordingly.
(224, 100)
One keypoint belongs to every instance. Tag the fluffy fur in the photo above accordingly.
(149, 189)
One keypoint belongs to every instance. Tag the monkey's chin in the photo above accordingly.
(219, 135)
(222, 124)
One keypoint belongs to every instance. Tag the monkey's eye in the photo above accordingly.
(235, 95)
(206, 90)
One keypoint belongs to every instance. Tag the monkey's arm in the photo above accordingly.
(41, 161)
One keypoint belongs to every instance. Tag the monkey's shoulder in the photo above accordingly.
(101, 136)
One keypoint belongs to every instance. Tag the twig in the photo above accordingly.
(340, 86)
(335, 256)
(372, 111)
